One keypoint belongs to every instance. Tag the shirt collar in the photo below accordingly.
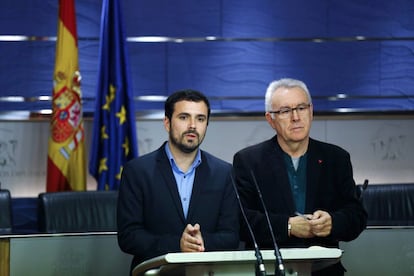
(195, 164)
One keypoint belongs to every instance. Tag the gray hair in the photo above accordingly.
(287, 83)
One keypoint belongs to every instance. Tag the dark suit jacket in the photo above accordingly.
(150, 215)
(330, 187)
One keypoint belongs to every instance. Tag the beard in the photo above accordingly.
(182, 142)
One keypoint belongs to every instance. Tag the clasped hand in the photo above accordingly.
(318, 224)
(191, 239)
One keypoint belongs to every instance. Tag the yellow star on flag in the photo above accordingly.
(102, 165)
(121, 115)
(109, 98)
(126, 146)
(118, 176)
(104, 135)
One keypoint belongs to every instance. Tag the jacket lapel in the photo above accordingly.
(164, 168)
(315, 164)
(275, 164)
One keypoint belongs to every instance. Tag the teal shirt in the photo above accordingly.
(297, 180)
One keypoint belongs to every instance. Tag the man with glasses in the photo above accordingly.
(307, 185)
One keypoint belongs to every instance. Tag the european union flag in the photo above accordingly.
(114, 136)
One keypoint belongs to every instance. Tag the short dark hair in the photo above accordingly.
(185, 95)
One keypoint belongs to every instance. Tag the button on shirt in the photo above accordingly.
(184, 180)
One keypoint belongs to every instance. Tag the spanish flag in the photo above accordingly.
(66, 165)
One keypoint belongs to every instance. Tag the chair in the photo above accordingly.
(389, 204)
(6, 225)
(86, 211)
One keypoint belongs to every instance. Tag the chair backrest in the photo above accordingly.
(389, 204)
(86, 211)
(6, 225)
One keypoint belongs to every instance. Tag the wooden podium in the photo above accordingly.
(297, 261)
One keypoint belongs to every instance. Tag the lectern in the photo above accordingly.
(297, 261)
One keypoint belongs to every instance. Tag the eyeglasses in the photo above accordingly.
(286, 112)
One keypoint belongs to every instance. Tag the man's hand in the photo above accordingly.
(301, 227)
(321, 223)
(191, 239)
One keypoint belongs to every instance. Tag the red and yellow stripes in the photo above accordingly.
(66, 166)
